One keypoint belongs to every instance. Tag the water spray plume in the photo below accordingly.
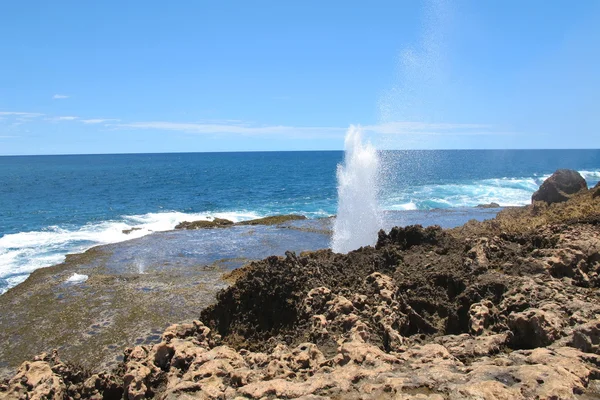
(358, 219)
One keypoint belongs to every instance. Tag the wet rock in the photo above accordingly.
(428, 314)
(92, 323)
(560, 187)
(409, 236)
(489, 205)
(273, 220)
(215, 223)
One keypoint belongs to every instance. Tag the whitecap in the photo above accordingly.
(24, 252)
(591, 177)
(404, 206)
(506, 191)
(590, 174)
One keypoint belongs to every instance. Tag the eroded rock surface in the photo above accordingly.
(425, 314)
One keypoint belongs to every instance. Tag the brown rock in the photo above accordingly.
(35, 380)
(586, 337)
(467, 347)
(215, 223)
(560, 187)
(273, 220)
(489, 205)
(136, 380)
(596, 191)
(480, 316)
(534, 328)
(426, 315)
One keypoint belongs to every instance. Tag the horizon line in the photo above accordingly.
(283, 151)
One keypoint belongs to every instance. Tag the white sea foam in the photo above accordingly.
(359, 218)
(503, 191)
(591, 177)
(24, 252)
(506, 191)
(403, 206)
(77, 278)
(595, 174)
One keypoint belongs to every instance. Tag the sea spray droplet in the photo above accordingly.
(358, 218)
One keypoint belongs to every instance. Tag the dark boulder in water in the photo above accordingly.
(220, 222)
(215, 223)
(560, 186)
(128, 231)
(489, 205)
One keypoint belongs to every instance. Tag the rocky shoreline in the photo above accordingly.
(94, 304)
(502, 309)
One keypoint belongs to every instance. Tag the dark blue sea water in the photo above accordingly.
(54, 205)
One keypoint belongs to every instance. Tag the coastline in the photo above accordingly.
(155, 223)
(90, 322)
(131, 292)
(38, 231)
(449, 300)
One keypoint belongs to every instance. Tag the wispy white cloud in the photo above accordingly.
(241, 129)
(65, 118)
(20, 114)
(60, 96)
(237, 127)
(390, 128)
(7, 137)
(98, 120)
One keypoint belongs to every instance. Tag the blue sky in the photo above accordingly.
(129, 77)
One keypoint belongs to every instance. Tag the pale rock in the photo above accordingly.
(480, 315)
(35, 381)
(534, 328)
(586, 337)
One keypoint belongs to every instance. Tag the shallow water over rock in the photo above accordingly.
(135, 289)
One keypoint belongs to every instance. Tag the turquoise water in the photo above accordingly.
(54, 205)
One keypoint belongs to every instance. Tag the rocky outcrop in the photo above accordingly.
(215, 223)
(560, 187)
(220, 223)
(489, 205)
(46, 377)
(425, 314)
(128, 231)
(273, 220)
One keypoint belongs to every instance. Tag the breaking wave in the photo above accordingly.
(24, 252)
(503, 191)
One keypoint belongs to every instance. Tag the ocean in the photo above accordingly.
(51, 206)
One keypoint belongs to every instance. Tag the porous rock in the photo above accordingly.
(427, 314)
